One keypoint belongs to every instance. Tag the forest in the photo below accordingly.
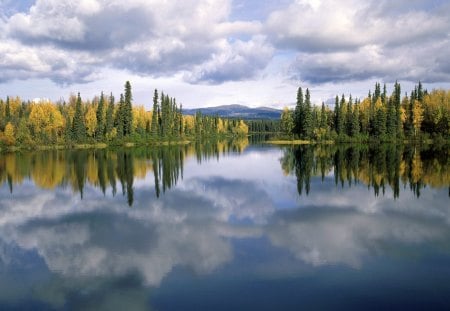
(102, 120)
(420, 116)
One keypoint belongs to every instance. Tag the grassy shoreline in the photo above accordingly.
(91, 146)
(298, 142)
(338, 142)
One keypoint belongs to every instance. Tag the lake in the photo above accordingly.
(226, 226)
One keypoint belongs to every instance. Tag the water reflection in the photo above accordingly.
(235, 220)
(105, 168)
(376, 166)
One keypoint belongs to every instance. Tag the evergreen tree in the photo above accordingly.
(349, 116)
(155, 125)
(398, 112)
(336, 115)
(355, 128)
(384, 95)
(342, 115)
(100, 120)
(323, 116)
(298, 112)
(420, 92)
(127, 118)
(78, 125)
(109, 116)
(307, 121)
(380, 120)
(391, 126)
(7, 110)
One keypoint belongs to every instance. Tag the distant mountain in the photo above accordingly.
(238, 111)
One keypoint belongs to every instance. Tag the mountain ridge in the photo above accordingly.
(238, 111)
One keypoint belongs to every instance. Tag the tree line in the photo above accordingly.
(379, 116)
(103, 120)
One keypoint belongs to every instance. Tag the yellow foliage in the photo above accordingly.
(45, 118)
(48, 170)
(417, 115)
(221, 126)
(9, 137)
(189, 122)
(91, 121)
(140, 117)
(112, 134)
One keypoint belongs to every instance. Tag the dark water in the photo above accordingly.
(226, 226)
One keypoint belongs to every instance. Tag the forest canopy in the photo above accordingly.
(103, 120)
(379, 116)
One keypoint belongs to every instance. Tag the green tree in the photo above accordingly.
(298, 112)
(100, 130)
(323, 116)
(109, 124)
(287, 121)
(127, 110)
(155, 125)
(307, 122)
(355, 128)
(78, 126)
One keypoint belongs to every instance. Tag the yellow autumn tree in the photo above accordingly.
(140, 118)
(9, 137)
(417, 116)
(46, 120)
(189, 123)
(91, 121)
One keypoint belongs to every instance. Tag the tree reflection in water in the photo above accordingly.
(376, 166)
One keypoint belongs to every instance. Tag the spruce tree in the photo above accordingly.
(336, 114)
(7, 111)
(78, 125)
(391, 126)
(109, 116)
(398, 112)
(349, 116)
(355, 128)
(298, 112)
(342, 115)
(155, 125)
(127, 111)
(100, 120)
(420, 92)
(307, 121)
(323, 116)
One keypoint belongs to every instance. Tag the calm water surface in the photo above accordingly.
(226, 226)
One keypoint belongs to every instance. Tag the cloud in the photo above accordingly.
(207, 43)
(326, 235)
(150, 38)
(353, 40)
(236, 61)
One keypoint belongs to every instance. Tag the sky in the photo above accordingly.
(220, 52)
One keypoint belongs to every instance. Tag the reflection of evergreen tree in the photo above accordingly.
(377, 166)
(303, 163)
(111, 174)
(79, 159)
(155, 161)
(101, 159)
(125, 174)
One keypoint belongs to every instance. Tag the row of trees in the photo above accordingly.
(104, 120)
(423, 114)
